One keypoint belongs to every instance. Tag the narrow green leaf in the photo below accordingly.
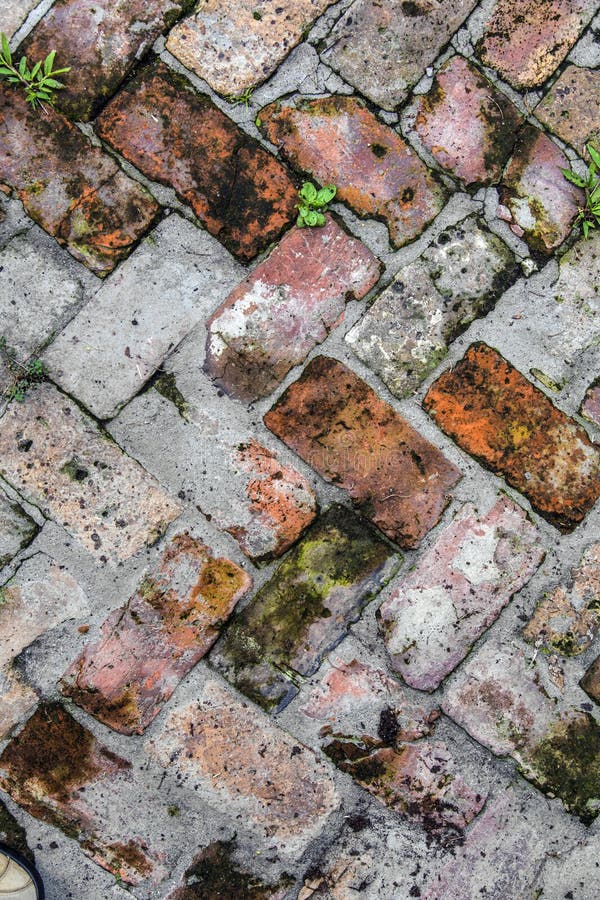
(573, 177)
(61, 71)
(586, 227)
(36, 69)
(49, 62)
(595, 155)
(5, 71)
(6, 49)
(53, 83)
(23, 65)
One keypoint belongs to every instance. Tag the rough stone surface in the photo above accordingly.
(13, 835)
(101, 40)
(333, 420)
(14, 13)
(590, 408)
(591, 680)
(74, 190)
(214, 873)
(287, 306)
(457, 590)
(383, 49)
(214, 460)
(525, 40)
(57, 771)
(536, 199)
(148, 646)
(126, 330)
(467, 124)
(280, 788)
(567, 619)
(571, 108)
(407, 330)
(17, 529)
(235, 45)
(305, 609)
(17, 700)
(54, 455)
(494, 413)
(341, 142)
(497, 698)
(240, 192)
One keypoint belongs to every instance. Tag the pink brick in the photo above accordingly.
(467, 124)
(571, 108)
(148, 646)
(458, 589)
(590, 408)
(287, 306)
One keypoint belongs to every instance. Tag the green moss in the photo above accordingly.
(215, 874)
(566, 644)
(75, 470)
(566, 763)
(166, 385)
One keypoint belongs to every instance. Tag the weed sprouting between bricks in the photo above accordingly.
(589, 215)
(314, 203)
(39, 82)
(24, 375)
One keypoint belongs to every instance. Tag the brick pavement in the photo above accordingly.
(299, 530)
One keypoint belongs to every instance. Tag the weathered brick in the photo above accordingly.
(333, 420)
(235, 45)
(497, 698)
(467, 124)
(13, 14)
(101, 41)
(118, 340)
(376, 173)
(54, 455)
(591, 680)
(215, 873)
(148, 646)
(590, 408)
(278, 787)
(571, 108)
(386, 754)
(77, 193)
(536, 199)
(305, 609)
(58, 772)
(383, 49)
(239, 191)
(211, 456)
(16, 699)
(510, 426)
(17, 529)
(567, 619)
(14, 835)
(458, 589)
(406, 332)
(525, 40)
(287, 306)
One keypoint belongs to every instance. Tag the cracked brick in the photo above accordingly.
(147, 647)
(17, 529)
(242, 194)
(235, 45)
(341, 142)
(334, 421)
(74, 190)
(571, 108)
(55, 456)
(305, 609)
(101, 40)
(287, 306)
(494, 413)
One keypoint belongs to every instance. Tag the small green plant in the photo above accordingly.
(589, 215)
(314, 203)
(24, 375)
(39, 82)
(244, 98)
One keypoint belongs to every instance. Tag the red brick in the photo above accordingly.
(240, 192)
(287, 306)
(510, 426)
(240, 762)
(101, 40)
(333, 420)
(77, 193)
(467, 124)
(571, 108)
(58, 772)
(591, 680)
(525, 40)
(536, 198)
(148, 646)
(376, 173)
(590, 408)
(457, 590)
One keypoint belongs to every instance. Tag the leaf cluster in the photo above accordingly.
(314, 203)
(39, 82)
(589, 215)
(24, 375)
